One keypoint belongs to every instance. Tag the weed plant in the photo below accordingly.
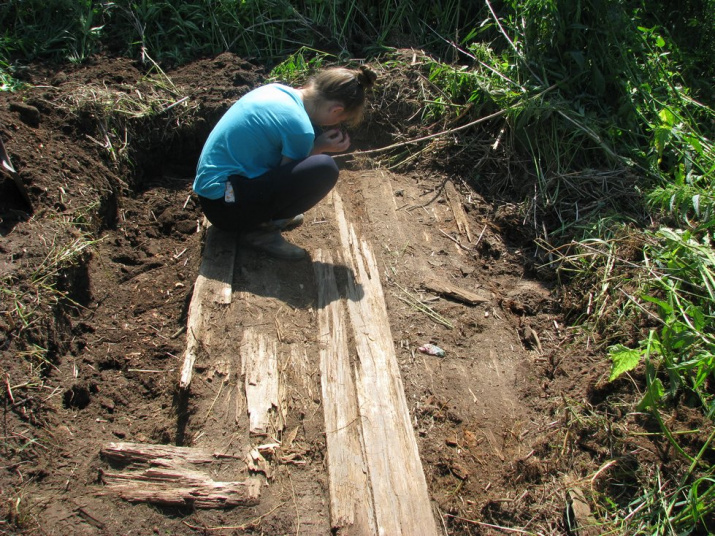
(175, 31)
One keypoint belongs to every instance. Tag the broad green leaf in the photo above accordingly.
(653, 395)
(667, 117)
(662, 135)
(667, 309)
(624, 359)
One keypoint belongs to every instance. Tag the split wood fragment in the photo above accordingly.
(452, 291)
(173, 476)
(148, 454)
(259, 353)
(455, 203)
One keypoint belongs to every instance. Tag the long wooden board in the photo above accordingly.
(351, 505)
(396, 493)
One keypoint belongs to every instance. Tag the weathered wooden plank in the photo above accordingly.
(399, 489)
(217, 263)
(449, 290)
(213, 285)
(259, 354)
(351, 506)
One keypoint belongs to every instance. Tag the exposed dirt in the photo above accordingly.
(98, 361)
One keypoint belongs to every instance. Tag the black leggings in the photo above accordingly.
(281, 193)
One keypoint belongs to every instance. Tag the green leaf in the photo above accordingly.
(666, 308)
(653, 395)
(662, 135)
(624, 359)
(667, 117)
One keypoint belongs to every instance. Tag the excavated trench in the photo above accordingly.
(114, 338)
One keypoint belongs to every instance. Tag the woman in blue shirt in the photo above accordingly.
(263, 164)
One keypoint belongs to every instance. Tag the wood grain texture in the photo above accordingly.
(351, 505)
(264, 395)
(213, 285)
(396, 484)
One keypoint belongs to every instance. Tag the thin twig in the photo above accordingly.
(245, 526)
(481, 524)
(455, 240)
(436, 135)
(175, 104)
(9, 389)
(444, 132)
(215, 399)
(480, 237)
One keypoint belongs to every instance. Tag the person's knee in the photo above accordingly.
(327, 169)
(325, 162)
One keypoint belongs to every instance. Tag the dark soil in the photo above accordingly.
(99, 275)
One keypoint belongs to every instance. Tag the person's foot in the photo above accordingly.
(273, 244)
(283, 225)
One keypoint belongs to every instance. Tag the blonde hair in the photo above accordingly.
(346, 86)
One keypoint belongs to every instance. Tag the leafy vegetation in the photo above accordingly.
(607, 113)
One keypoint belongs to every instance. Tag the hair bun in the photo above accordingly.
(366, 77)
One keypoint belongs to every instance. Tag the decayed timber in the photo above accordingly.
(173, 476)
(259, 353)
(458, 210)
(396, 483)
(182, 487)
(452, 291)
(351, 505)
(166, 455)
(213, 285)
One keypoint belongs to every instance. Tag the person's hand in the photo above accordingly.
(332, 141)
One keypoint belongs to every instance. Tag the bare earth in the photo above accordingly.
(100, 365)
